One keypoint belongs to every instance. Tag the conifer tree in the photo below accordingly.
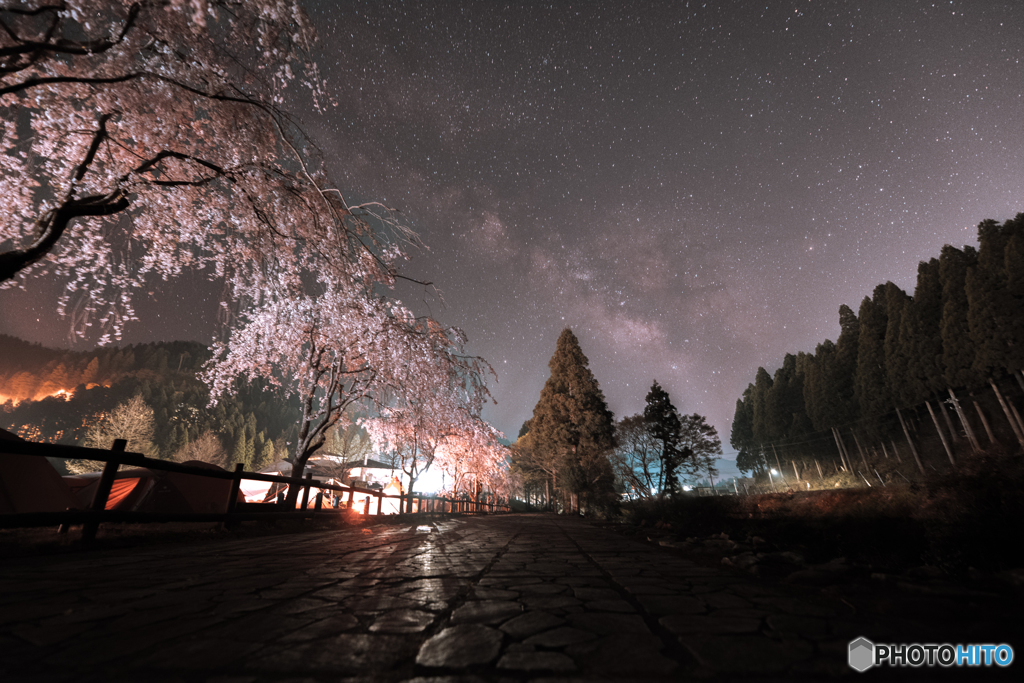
(238, 455)
(250, 440)
(663, 422)
(845, 367)
(91, 372)
(742, 436)
(923, 332)
(825, 406)
(870, 387)
(572, 428)
(896, 351)
(1014, 258)
(993, 311)
(265, 456)
(759, 406)
(957, 350)
(784, 402)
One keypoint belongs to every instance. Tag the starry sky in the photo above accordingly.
(693, 187)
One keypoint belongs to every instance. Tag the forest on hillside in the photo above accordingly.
(922, 378)
(56, 395)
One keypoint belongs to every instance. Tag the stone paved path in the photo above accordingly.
(518, 597)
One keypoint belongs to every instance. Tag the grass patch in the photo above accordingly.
(968, 517)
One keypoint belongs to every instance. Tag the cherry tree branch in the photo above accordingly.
(62, 46)
(52, 224)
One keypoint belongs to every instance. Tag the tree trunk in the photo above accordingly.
(769, 470)
(863, 458)
(954, 437)
(942, 435)
(984, 422)
(963, 420)
(885, 451)
(818, 465)
(913, 449)
(1009, 416)
(846, 452)
(795, 470)
(839, 446)
(895, 450)
(1020, 422)
(778, 463)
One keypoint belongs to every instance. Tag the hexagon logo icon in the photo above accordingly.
(862, 654)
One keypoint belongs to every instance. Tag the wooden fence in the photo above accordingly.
(91, 517)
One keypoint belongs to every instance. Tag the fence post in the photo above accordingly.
(380, 501)
(319, 501)
(366, 507)
(305, 490)
(99, 499)
(351, 492)
(236, 483)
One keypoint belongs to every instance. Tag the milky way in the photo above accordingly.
(693, 188)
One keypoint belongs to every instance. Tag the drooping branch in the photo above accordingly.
(35, 50)
(52, 224)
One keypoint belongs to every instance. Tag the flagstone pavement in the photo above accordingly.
(513, 597)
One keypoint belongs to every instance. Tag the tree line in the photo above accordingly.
(945, 362)
(572, 455)
(63, 396)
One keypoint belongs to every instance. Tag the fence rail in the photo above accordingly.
(96, 513)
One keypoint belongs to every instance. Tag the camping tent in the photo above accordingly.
(146, 490)
(28, 483)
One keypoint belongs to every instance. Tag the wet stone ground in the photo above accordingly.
(515, 597)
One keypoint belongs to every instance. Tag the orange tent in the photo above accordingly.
(146, 490)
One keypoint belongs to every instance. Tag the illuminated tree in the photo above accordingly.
(700, 445)
(206, 448)
(637, 457)
(435, 395)
(474, 460)
(147, 138)
(332, 351)
(348, 441)
(131, 421)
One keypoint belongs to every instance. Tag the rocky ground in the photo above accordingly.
(513, 597)
(755, 556)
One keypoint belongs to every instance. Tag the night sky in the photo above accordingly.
(693, 188)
